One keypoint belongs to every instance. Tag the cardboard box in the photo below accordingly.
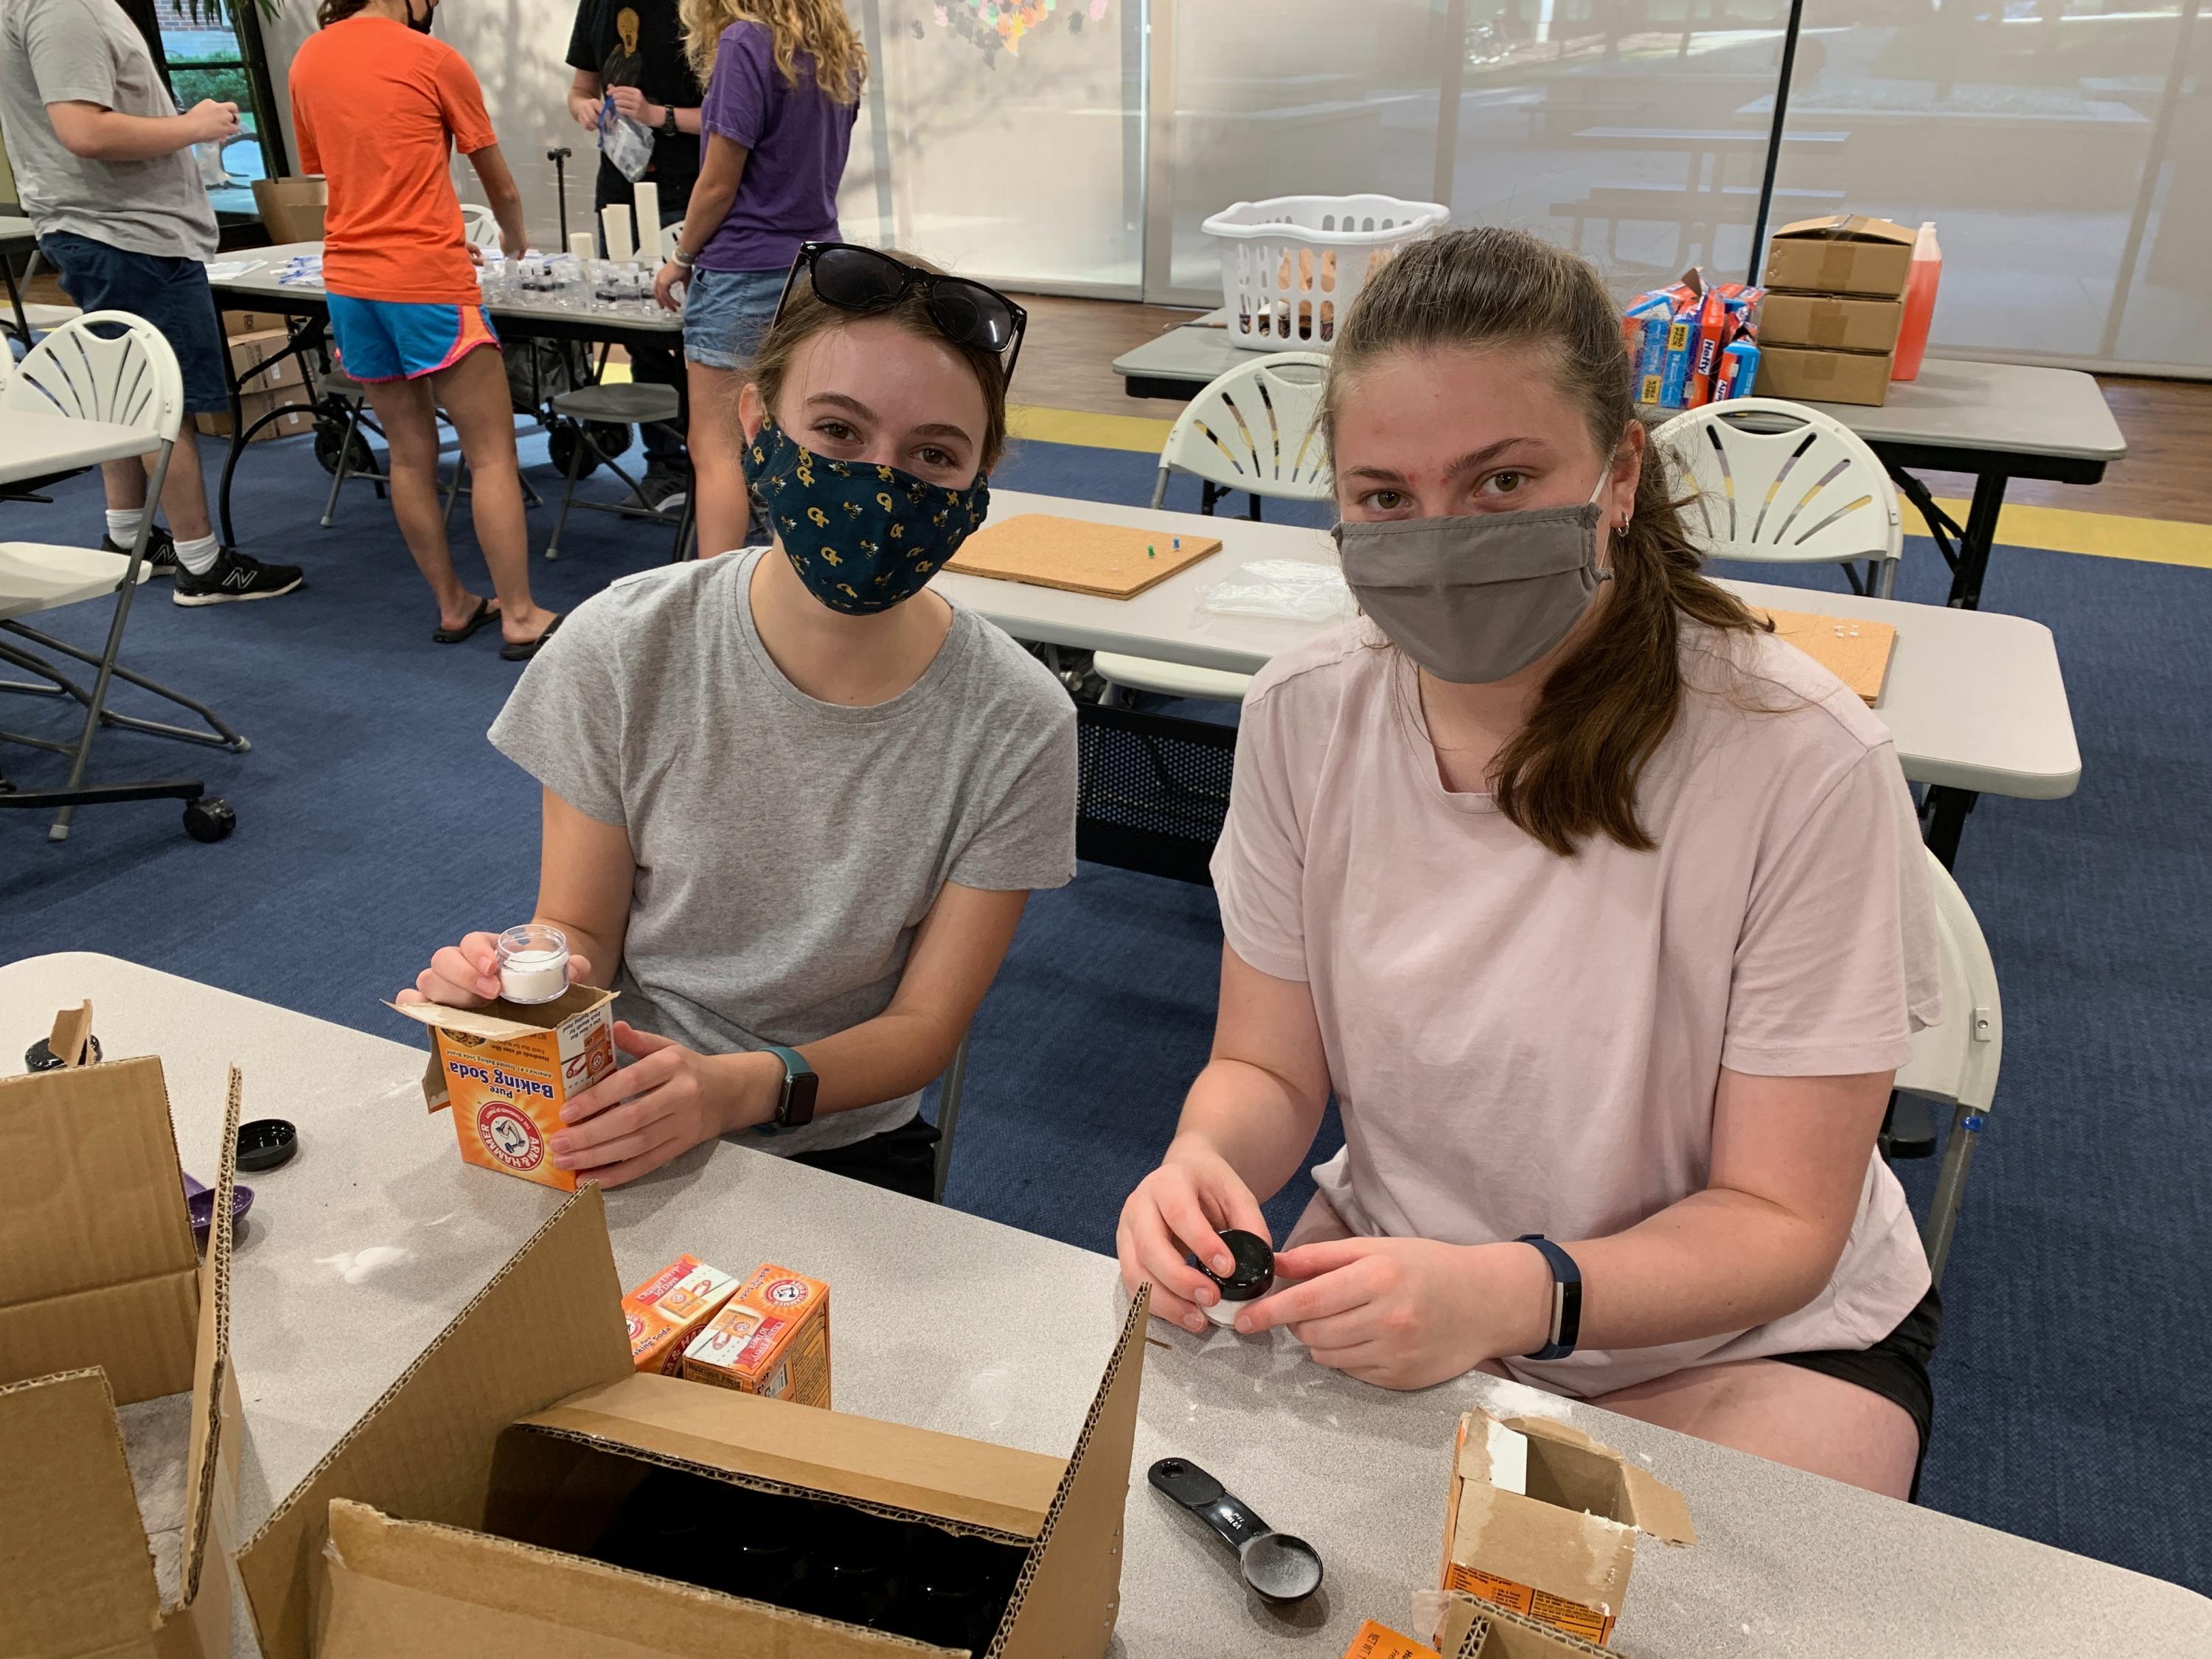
(104, 1301)
(452, 1517)
(1475, 1629)
(1846, 253)
(1830, 321)
(665, 1312)
(237, 323)
(508, 1068)
(1823, 377)
(1373, 1641)
(298, 415)
(291, 209)
(1543, 1519)
(771, 1338)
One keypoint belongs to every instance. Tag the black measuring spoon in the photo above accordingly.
(1281, 1567)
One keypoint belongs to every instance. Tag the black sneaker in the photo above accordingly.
(161, 550)
(235, 576)
(664, 490)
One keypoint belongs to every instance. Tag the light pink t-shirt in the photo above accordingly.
(1523, 1043)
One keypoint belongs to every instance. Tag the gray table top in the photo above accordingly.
(17, 234)
(262, 283)
(1974, 698)
(360, 1249)
(1954, 404)
(34, 445)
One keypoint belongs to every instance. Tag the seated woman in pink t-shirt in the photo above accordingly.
(1600, 911)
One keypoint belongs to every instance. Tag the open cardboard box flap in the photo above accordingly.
(516, 1433)
(497, 1021)
(548, 1324)
(1652, 1507)
(874, 1462)
(76, 1575)
(1849, 227)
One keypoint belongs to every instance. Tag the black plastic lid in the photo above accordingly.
(265, 1143)
(1254, 1273)
(41, 1057)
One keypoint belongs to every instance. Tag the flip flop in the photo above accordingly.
(524, 650)
(484, 613)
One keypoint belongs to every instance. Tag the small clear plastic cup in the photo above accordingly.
(533, 963)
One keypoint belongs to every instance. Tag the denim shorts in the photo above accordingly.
(726, 313)
(171, 294)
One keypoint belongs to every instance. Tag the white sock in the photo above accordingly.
(122, 524)
(197, 557)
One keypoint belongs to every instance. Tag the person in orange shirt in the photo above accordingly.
(379, 106)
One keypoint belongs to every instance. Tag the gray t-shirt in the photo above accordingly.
(60, 51)
(787, 848)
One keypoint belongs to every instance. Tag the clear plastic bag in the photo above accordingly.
(626, 143)
(1289, 590)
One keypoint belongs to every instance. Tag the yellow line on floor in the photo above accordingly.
(2055, 529)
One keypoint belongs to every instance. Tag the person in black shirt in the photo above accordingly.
(632, 50)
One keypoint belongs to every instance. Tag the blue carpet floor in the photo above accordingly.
(2078, 1330)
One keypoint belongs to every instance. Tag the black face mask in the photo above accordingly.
(422, 25)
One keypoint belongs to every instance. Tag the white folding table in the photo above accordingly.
(1974, 698)
(1996, 420)
(359, 1252)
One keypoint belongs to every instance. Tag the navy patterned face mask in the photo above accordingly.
(863, 538)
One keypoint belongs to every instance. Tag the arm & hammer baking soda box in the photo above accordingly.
(772, 1338)
(506, 1068)
(665, 1312)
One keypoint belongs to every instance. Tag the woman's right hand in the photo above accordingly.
(1176, 1211)
(466, 976)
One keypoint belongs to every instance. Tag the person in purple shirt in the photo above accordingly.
(783, 89)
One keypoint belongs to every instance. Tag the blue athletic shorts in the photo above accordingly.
(172, 294)
(406, 339)
(726, 313)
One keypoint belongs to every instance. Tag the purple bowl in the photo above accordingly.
(199, 1202)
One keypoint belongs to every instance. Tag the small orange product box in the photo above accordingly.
(772, 1338)
(1376, 1641)
(665, 1312)
(508, 1068)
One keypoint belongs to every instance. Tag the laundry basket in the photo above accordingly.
(1292, 265)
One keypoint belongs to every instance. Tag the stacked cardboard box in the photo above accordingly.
(283, 385)
(1834, 305)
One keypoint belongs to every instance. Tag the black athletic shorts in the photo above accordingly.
(903, 1159)
(1896, 1368)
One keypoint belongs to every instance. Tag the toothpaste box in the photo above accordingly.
(506, 1069)
(772, 1338)
(670, 1307)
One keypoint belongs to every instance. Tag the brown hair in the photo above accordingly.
(1571, 771)
(805, 315)
(817, 26)
(336, 11)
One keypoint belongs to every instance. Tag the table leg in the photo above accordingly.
(15, 300)
(1945, 815)
(237, 448)
(1981, 535)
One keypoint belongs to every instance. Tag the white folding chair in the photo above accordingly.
(1779, 483)
(1955, 1063)
(130, 380)
(1256, 429)
(479, 224)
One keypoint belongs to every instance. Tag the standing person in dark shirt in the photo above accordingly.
(632, 52)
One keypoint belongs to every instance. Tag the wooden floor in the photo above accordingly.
(1067, 357)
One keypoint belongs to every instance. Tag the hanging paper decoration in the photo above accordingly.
(998, 25)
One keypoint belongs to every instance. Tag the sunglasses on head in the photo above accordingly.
(865, 280)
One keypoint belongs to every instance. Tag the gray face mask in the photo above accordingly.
(1477, 598)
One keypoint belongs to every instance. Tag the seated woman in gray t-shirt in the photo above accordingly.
(793, 801)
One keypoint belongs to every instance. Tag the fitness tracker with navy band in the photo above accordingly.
(1567, 1298)
(794, 1106)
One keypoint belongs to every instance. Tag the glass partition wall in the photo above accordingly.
(2063, 147)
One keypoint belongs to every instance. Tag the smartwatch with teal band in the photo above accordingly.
(794, 1106)
(1567, 1298)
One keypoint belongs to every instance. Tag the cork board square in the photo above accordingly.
(1859, 656)
(1110, 560)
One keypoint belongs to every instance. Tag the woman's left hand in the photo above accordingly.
(670, 1100)
(666, 283)
(1402, 1313)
